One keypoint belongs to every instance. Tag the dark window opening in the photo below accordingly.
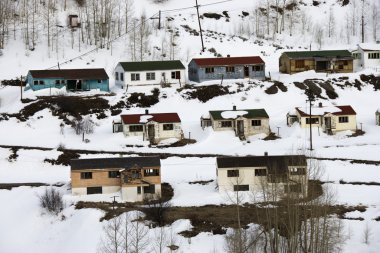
(86, 175)
(136, 128)
(256, 122)
(226, 123)
(300, 64)
(343, 119)
(168, 127)
(243, 187)
(232, 173)
(260, 172)
(94, 190)
(230, 69)
(113, 174)
(313, 121)
(151, 172)
(150, 189)
(209, 70)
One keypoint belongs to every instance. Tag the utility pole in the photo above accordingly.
(159, 19)
(21, 87)
(113, 202)
(362, 21)
(200, 27)
(310, 99)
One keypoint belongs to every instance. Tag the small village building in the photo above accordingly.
(287, 174)
(377, 114)
(149, 73)
(244, 122)
(367, 55)
(72, 79)
(330, 119)
(136, 178)
(154, 127)
(208, 69)
(330, 61)
(73, 21)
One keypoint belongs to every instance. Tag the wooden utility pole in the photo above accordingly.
(159, 20)
(362, 21)
(21, 87)
(200, 27)
(310, 99)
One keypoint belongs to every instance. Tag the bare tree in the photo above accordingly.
(139, 237)
(367, 233)
(112, 240)
(160, 240)
(375, 20)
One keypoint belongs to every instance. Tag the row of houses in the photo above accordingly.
(155, 127)
(139, 178)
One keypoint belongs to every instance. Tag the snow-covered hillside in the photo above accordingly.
(350, 163)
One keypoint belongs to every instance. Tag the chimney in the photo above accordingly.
(234, 108)
(228, 56)
(146, 111)
(320, 104)
(265, 153)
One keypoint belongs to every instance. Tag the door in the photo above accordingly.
(94, 190)
(321, 65)
(151, 131)
(328, 123)
(240, 127)
(246, 71)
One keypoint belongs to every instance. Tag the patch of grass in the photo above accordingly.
(141, 100)
(205, 93)
(202, 182)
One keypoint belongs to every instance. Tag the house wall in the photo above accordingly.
(198, 74)
(99, 178)
(160, 133)
(119, 83)
(302, 120)
(309, 64)
(129, 193)
(369, 63)
(51, 83)
(287, 65)
(284, 64)
(256, 183)
(158, 77)
(248, 128)
(339, 67)
(336, 126)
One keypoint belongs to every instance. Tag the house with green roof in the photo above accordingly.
(149, 73)
(329, 61)
(244, 122)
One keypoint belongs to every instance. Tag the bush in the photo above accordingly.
(206, 93)
(52, 201)
(212, 15)
(156, 209)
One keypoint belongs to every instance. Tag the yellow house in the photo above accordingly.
(136, 178)
(286, 174)
(331, 119)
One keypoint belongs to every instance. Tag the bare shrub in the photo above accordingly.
(156, 209)
(51, 200)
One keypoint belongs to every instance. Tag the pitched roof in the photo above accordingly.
(273, 163)
(321, 53)
(336, 110)
(228, 61)
(87, 74)
(151, 65)
(251, 113)
(157, 117)
(370, 46)
(115, 163)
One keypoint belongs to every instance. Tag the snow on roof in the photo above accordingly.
(233, 114)
(336, 110)
(370, 46)
(145, 118)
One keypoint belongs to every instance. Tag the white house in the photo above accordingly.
(152, 126)
(149, 73)
(367, 55)
(287, 174)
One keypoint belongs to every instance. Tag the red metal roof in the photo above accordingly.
(228, 61)
(157, 117)
(345, 110)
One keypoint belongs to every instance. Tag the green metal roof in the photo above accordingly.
(252, 113)
(325, 53)
(151, 65)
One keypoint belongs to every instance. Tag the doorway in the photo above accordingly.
(246, 71)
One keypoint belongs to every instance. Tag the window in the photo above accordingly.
(230, 69)
(135, 77)
(313, 121)
(256, 122)
(94, 190)
(297, 171)
(121, 76)
(257, 68)
(135, 128)
(150, 189)
(86, 175)
(232, 173)
(243, 187)
(139, 190)
(35, 82)
(176, 75)
(168, 127)
(343, 119)
(209, 70)
(374, 56)
(300, 64)
(357, 55)
(226, 124)
(260, 172)
(151, 172)
(116, 76)
(99, 81)
(151, 76)
(42, 82)
(57, 82)
(113, 174)
(340, 66)
(345, 63)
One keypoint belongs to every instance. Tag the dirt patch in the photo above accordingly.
(13, 156)
(212, 15)
(300, 85)
(10, 186)
(202, 182)
(357, 133)
(64, 158)
(205, 93)
(271, 137)
(359, 183)
(371, 79)
(330, 91)
(142, 100)
(180, 143)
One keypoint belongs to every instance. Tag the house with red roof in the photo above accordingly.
(154, 127)
(330, 119)
(207, 69)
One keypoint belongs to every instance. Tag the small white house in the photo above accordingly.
(367, 55)
(149, 73)
(152, 126)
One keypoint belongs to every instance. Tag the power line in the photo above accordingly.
(191, 7)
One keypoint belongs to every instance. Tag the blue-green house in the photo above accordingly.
(72, 79)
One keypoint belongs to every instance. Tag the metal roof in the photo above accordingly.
(87, 74)
(157, 117)
(229, 61)
(115, 163)
(321, 53)
(151, 65)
